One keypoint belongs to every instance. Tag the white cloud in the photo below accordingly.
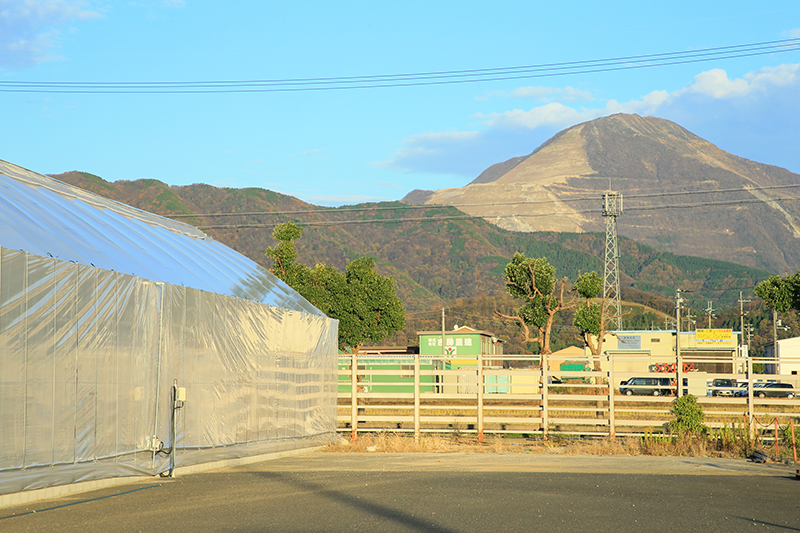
(29, 29)
(754, 116)
(552, 94)
(715, 83)
(425, 145)
(795, 33)
(553, 114)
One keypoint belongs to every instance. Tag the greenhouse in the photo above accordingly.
(131, 344)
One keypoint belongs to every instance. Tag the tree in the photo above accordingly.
(364, 302)
(284, 254)
(591, 318)
(781, 294)
(367, 308)
(533, 281)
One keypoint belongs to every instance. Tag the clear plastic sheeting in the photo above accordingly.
(46, 217)
(89, 358)
(104, 308)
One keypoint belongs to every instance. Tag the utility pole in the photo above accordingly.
(775, 329)
(612, 208)
(678, 362)
(742, 313)
(710, 312)
(691, 323)
(443, 348)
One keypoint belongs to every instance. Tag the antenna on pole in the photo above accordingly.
(612, 208)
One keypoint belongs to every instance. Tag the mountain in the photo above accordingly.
(680, 193)
(436, 255)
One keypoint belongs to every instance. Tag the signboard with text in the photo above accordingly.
(721, 337)
(629, 342)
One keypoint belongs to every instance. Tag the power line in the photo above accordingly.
(507, 215)
(408, 79)
(334, 210)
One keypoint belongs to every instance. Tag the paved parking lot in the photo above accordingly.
(438, 492)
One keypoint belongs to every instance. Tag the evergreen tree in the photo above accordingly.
(364, 302)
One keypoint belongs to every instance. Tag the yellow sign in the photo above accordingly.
(714, 336)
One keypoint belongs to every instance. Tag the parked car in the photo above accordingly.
(775, 390)
(742, 391)
(646, 386)
(723, 387)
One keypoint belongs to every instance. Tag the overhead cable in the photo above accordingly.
(408, 79)
(501, 216)
(368, 209)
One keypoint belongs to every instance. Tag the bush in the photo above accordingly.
(786, 436)
(689, 417)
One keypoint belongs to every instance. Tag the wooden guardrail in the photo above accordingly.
(413, 393)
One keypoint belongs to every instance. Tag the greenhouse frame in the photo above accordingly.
(131, 344)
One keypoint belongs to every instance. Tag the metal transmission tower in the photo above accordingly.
(612, 208)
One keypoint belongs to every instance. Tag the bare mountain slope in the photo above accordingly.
(676, 189)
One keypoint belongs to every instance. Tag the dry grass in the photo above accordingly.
(658, 445)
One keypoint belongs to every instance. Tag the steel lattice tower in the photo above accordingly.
(612, 208)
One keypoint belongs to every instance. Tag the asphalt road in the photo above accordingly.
(438, 492)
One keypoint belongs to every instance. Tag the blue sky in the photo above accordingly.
(337, 147)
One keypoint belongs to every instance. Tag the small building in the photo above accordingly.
(714, 351)
(461, 340)
(460, 375)
(568, 358)
(782, 357)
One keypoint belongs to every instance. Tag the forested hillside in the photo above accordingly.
(438, 256)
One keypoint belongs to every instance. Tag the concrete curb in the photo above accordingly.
(28, 496)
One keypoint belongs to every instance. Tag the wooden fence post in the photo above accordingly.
(544, 383)
(354, 395)
(480, 397)
(612, 433)
(416, 398)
